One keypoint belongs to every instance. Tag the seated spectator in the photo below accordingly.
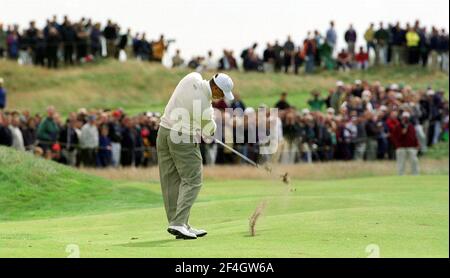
(282, 104)
(177, 60)
(344, 61)
(362, 59)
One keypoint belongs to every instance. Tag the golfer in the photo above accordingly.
(180, 162)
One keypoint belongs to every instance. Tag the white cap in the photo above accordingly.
(406, 114)
(305, 111)
(358, 82)
(330, 110)
(339, 83)
(429, 92)
(394, 87)
(225, 83)
(383, 108)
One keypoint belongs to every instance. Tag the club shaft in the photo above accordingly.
(236, 152)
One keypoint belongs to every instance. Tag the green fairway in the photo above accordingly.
(42, 214)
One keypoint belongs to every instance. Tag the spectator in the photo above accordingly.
(381, 45)
(69, 140)
(104, 152)
(89, 142)
(29, 133)
(128, 143)
(369, 36)
(177, 60)
(331, 36)
(288, 50)
(398, 44)
(406, 144)
(282, 104)
(316, 103)
(210, 64)
(17, 137)
(3, 39)
(344, 60)
(2, 94)
(412, 43)
(158, 49)
(309, 50)
(350, 38)
(53, 41)
(269, 58)
(48, 130)
(110, 34)
(362, 59)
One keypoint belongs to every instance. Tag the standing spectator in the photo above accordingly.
(29, 134)
(278, 49)
(412, 43)
(406, 144)
(95, 40)
(444, 50)
(331, 36)
(381, 47)
(104, 153)
(269, 58)
(398, 44)
(158, 49)
(362, 59)
(3, 38)
(53, 41)
(82, 37)
(369, 36)
(2, 95)
(17, 137)
(68, 139)
(128, 143)
(282, 104)
(337, 97)
(350, 38)
(298, 59)
(434, 48)
(110, 34)
(309, 50)
(288, 50)
(291, 134)
(48, 130)
(115, 134)
(6, 138)
(210, 63)
(89, 142)
(69, 39)
(424, 46)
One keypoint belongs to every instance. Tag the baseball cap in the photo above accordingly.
(224, 82)
(339, 83)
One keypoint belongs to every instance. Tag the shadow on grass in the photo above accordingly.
(150, 243)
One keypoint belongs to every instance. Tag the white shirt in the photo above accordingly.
(17, 137)
(89, 136)
(189, 108)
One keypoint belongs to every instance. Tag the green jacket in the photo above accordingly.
(48, 130)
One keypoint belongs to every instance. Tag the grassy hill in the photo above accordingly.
(36, 188)
(139, 87)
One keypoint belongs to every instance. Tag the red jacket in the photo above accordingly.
(404, 140)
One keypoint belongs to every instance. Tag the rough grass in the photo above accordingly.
(316, 171)
(138, 86)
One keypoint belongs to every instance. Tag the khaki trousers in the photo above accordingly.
(180, 172)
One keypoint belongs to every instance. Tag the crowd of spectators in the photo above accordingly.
(84, 40)
(392, 44)
(359, 121)
(74, 42)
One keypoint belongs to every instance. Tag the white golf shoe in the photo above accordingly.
(181, 232)
(197, 232)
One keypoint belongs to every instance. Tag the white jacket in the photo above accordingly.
(189, 108)
(89, 136)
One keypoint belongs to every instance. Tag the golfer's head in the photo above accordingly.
(221, 86)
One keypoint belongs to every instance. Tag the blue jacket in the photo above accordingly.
(2, 98)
